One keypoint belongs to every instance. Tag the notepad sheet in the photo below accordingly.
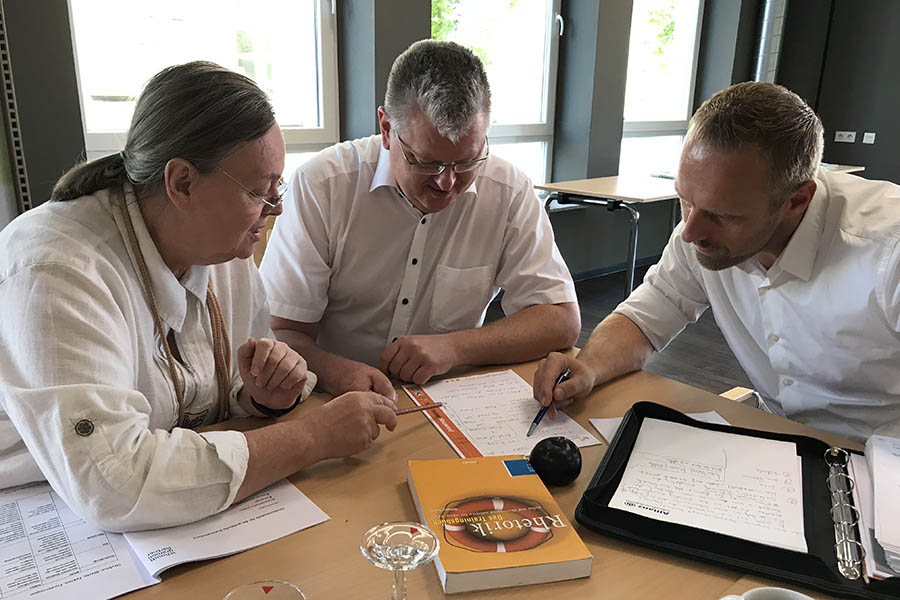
(492, 413)
(883, 457)
(737, 485)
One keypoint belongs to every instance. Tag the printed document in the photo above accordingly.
(883, 457)
(48, 552)
(876, 562)
(489, 415)
(273, 513)
(737, 485)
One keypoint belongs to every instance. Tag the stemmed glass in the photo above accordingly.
(399, 546)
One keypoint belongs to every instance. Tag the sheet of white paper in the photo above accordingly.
(862, 498)
(737, 485)
(494, 412)
(48, 552)
(883, 456)
(275, 512)
(608, 426)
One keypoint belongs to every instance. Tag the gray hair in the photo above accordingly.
(197, 111)
(767, 117)
(444, 80)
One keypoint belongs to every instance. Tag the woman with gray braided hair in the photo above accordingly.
(132, 314)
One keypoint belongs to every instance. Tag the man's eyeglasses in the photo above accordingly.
(273, 201)
(436, 168)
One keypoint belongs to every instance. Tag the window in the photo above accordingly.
(296, 66)
(518, 43)
(659, 87)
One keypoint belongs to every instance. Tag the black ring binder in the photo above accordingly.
(847, 548)
(818, 568)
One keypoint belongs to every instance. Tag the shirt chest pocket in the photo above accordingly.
(460, 297)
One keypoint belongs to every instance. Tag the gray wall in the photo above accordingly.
(726, 46)
(43, 67)
(370, 37)
(803, 48)
(851, 53)
(593, 59)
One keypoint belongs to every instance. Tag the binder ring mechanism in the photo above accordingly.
(847, 548)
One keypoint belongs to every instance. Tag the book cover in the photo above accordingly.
(497, 524)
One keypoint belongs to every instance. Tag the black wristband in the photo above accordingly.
(275, 412)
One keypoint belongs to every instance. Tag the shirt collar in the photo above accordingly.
(171, 299)
(384, 177)
(799, 255)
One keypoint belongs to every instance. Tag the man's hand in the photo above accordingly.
(350, 423)
(273, 373)
(352, 376)
(578, 385)
(418, 358)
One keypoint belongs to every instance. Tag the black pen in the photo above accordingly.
(565, 375)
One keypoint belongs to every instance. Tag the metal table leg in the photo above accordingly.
(631, 259)
(612, 206)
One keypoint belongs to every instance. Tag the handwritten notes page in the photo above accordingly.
(489, 415)
(608, 426)
(737, 485)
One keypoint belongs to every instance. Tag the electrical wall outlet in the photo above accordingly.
(869, 137)
(845, 136)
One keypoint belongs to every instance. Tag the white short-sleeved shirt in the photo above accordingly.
(78, 344)
(351, 254)
(819, 332)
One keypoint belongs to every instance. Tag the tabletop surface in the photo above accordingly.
(637, 189)
(370, 488)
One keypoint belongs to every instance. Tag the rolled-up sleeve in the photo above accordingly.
(296, 267)
(671, 296)
(69, 357)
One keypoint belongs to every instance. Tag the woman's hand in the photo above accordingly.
(272, 371)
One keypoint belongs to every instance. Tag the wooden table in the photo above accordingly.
(617, 193)
(369, 488)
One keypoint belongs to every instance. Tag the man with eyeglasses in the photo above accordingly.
(391, 247)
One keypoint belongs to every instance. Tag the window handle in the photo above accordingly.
(562, 23)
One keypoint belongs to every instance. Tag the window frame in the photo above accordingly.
(677, 126)
(516, 133)
(296, 139)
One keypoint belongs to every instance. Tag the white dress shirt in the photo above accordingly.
(819, 332)
(351, 254)
(86, 397)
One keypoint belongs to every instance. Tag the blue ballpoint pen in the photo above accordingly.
(565, 375)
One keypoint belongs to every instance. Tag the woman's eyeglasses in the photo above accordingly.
(271, 201)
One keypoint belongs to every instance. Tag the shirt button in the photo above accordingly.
(423, 220)
(773, 338)
(415, 261)
(84, 427)
(405, 301)
(393, 340)
(788, 381)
